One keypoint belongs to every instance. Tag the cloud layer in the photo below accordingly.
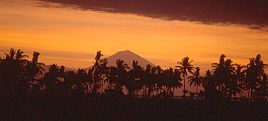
(251, 13)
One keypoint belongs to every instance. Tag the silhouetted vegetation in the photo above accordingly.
(22, 79)
(226, 80)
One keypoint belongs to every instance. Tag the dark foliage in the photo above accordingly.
(26, 84)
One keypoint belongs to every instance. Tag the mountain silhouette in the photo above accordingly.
(128, 57)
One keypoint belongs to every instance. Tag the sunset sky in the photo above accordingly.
(70, 35)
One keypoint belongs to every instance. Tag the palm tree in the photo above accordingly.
(171, 80)
(185, 67)
(97, 59)
(176, 81)
(209, 85)
(155, 83)
(231, 86)
(261, 77)
(113, 88)
(117, 78)
(76, 82)
(262, 90)
(98, 73)
(255, 75)
(239, 79)
(104, 70)
(224, 72)
(251, 77)
(134, 81)
(164, 83)
(147, 80)
(33, 70)
(219, 67)
(122, 69)
(13, 70)
(196, 80)
(219, 70)
(53, 81)
(1, 76)
(18, 58)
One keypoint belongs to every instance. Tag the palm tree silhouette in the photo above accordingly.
(209, 85)
(134, 81)
(147, 80)
(20, 76)
(163, 81)
(176, 80)
(262, 92)
(53, 80)
(224, 72)
(98, 72)
(231, 86)
(239, 80)
(122, 68)
(78, 82)
(196, 80)
(155, 84)
(13, 71)
(219, 69)
(170, 80)
(255, 76)
(184, 67)
(97, 62)
(113, 83)
(33, 70)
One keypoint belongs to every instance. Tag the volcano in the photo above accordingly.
(128, 57)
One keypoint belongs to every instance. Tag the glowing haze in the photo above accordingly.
(70, 36)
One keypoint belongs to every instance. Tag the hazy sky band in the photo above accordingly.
(71, 37)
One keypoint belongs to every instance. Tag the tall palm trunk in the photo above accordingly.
(184, 91)
(173, 92)
(196, 91)
(234, 96)
(249, 94)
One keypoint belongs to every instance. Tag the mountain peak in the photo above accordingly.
(128, 56)
(126, 51)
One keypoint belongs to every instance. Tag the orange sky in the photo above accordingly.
(71, 37)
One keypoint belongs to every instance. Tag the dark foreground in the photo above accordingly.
(127, 109)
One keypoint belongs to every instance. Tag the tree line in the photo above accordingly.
(226, 80)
